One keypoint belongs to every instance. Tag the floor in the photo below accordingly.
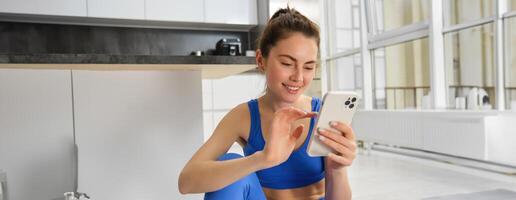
(388, 176)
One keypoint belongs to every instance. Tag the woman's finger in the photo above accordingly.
(337, 137)
(292, 114)
(340, 159)
(344, 128)
(311, 114)
(341, 149)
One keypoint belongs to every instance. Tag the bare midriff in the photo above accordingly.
(310, 192)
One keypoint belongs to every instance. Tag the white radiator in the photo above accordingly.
(457, 133)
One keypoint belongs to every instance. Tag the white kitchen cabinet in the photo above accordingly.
(135, 131)
(36, 133)
(175, 10)
(231, 11)
(120, 9)
(46, 7)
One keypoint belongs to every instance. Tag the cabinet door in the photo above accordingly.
(36, 133)
(123, 9)
(175, 10)
(231, 11)
(135, 131)
(45, 7)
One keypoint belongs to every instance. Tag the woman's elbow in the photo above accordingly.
(183, 184)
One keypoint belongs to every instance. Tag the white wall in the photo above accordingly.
(36, 133)
(135, 131)
(221, 95)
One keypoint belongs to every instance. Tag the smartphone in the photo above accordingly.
(336, 106)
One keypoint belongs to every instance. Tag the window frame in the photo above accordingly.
(434, 28)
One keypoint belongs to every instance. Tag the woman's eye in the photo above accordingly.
(286, 64)
(309, 67)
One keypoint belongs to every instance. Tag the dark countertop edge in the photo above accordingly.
(121, 59)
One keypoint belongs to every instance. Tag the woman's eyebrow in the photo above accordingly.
(292, 58)
(288, 56)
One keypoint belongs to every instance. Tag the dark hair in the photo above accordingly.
(282, 24)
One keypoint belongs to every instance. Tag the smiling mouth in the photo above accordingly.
(291, 89)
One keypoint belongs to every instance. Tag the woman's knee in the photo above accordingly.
(247, 187)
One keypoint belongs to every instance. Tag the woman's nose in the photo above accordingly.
(297, 76)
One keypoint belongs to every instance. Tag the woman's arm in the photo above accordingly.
(207, 176)
(343, 142)
(337, 184)
(203, 173)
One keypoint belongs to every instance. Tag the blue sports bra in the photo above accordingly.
(299, 170)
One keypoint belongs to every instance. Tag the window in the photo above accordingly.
(510, 66)
(470, 66)
(345, 32)
(392, 14)
(315, 87)
(397, 52)
(401, 75)
(460, 11)
(511, 5)
(343, 62)
(346, 74)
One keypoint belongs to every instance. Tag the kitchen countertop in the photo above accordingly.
(120, 59)
(211, 66)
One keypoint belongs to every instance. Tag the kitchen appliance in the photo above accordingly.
(478, 99)
(76, 196)
(197, 53)
(228, 47)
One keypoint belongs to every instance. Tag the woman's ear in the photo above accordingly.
(260, 60)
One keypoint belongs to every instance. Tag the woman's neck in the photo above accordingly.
(273, 104)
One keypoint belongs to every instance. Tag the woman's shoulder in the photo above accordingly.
(238, 117)
(240, 110)
(238, 120)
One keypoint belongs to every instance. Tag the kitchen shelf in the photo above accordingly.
(210, 66)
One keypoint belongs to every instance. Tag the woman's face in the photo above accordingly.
(290, 66)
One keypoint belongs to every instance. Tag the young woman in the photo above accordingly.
(274, 129)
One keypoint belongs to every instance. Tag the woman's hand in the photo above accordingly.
(282, 140)
(343, 142)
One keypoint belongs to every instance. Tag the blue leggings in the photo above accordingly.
(247, 188)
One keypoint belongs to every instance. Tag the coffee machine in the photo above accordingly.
(229, 47)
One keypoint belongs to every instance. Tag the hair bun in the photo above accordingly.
(280, 12)
(282, 23)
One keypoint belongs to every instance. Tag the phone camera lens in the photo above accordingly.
(354, 99)
(347, 103)
(351, 106)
